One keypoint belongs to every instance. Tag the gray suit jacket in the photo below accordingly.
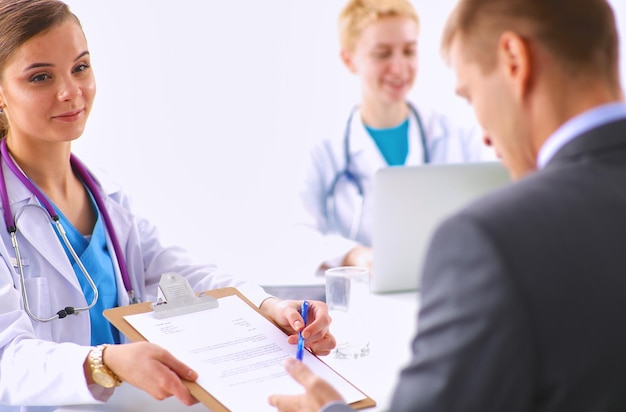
(524, 293)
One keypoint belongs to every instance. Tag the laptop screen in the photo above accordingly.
(409, 203)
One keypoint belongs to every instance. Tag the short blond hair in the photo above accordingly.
(357, 14)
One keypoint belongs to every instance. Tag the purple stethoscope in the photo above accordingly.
(83, 174)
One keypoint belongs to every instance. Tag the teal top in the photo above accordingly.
(392, 142)
(95, 256)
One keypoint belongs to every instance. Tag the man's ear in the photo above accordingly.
(348, 60)
(514, 59)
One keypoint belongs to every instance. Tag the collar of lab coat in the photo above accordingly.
(365, 153)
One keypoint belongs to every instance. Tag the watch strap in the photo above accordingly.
(97, 365)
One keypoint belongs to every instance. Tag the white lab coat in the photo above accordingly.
(42, 363)
(324, 238)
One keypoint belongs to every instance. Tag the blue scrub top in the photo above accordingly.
(393, 142)
(95, 256)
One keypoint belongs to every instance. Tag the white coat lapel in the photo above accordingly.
(365, 157)
(416, 148)
(35, 227)
(123, 224)
(436, 131)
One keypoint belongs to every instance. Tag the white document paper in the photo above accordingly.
(237, 353)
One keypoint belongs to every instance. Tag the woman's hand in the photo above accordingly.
(362, 256)
(151, 368)
(286, 314)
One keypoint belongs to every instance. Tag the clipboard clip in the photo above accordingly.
(175, 297)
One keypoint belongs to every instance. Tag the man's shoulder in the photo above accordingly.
(518, 199)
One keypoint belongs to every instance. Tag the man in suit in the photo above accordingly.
(523, 305)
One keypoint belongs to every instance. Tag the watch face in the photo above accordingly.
(103, 379)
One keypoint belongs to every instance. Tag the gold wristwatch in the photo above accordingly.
(102, 375)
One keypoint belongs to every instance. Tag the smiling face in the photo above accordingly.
(385, 59)
(47, 86)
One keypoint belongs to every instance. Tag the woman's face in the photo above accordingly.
(385, 58)
(47, 87)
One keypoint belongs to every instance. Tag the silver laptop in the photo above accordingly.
(409, 203)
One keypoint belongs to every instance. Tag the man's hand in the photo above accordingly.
(317, 393)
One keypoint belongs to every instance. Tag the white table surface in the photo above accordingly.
(393, 326)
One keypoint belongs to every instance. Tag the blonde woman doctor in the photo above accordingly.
(378, 41)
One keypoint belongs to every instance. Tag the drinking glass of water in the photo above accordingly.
(347, 293)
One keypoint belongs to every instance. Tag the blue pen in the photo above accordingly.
(304, 311)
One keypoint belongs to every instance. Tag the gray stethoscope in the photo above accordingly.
(11, 223)
(347, 174)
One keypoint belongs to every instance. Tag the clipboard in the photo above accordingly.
(116, 317)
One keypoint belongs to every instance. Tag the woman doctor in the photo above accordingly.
(378, 40)
(71, 247)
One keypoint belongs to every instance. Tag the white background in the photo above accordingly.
(206, 109)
